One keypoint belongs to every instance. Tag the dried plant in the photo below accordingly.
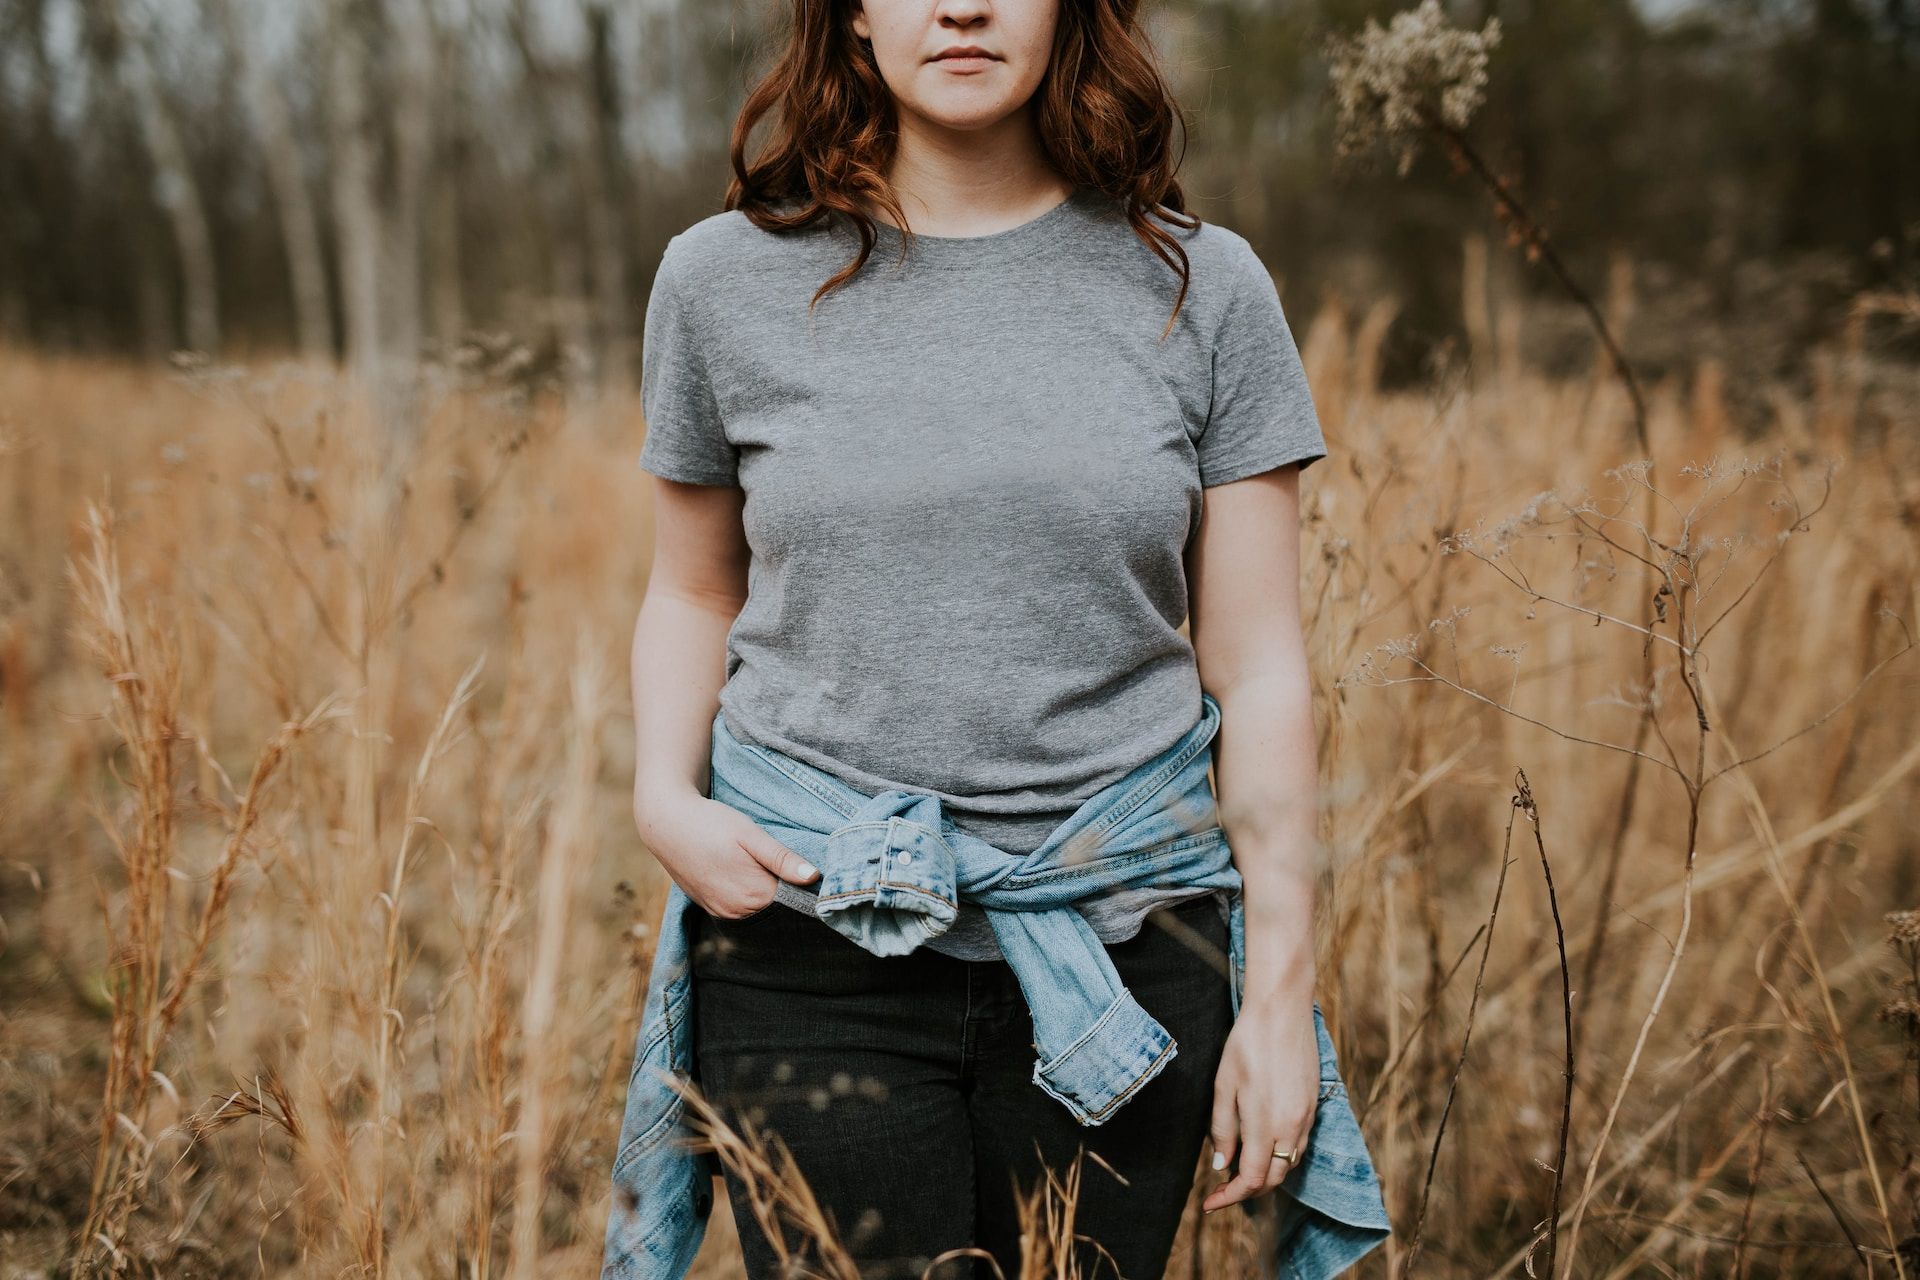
(1392, 84)
(152, 971)
(1902, 1008)
(1702, 584)
(807, 1241)
(1419, 79)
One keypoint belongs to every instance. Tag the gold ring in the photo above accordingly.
(1288, 1156)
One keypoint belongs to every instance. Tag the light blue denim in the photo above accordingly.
(894, 868)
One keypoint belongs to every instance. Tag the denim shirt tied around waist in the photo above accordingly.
(893, 870)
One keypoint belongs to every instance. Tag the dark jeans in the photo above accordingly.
(903, 1087)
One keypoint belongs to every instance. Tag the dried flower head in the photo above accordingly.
(1394, 82)
(1904, 927)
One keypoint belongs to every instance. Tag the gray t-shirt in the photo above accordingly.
(970, 480)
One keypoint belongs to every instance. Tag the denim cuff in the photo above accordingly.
(1332, 1212)
(1123, 1050)
(887, 884)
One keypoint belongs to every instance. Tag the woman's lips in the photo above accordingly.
(966, 62)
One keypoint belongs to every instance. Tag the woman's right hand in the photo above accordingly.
(719, 857)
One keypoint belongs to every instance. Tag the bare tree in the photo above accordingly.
(446, 295)
(603, 185)
(122, 53)
(576, 105)
(379, 88)
(280, 149)
(25, 233)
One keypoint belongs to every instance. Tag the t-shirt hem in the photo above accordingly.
(1225, 473)
(686, 474)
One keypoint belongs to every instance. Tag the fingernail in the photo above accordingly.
(1219, 1162)
(807, 868)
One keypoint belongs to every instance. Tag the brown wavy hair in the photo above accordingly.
(1103, 111)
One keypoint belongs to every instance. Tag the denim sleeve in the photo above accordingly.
(1261, 415)
(686, 439)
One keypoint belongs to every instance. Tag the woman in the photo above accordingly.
(933, 405)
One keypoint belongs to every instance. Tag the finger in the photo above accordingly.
(1224, 1127)
(777, 858)
(1302, 1133)
(1255, 1169)
(1283, 1169)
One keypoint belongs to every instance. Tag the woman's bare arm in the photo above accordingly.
(1243, 582)
(695, 589)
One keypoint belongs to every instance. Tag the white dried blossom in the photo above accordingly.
(1904, 927)
(1638, 471)
(1406, 646)
(1493, 540)
(1392, 83)
(1449, 624)
(1372, 668)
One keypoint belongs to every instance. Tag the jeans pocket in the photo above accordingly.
(751, 916)
(733, 922)
(721, 945)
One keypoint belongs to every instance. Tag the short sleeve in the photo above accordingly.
(1261, 415)
(685, 437)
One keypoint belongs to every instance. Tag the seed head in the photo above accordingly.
(1902, 1009)
(1392, 82)
(1904, 927)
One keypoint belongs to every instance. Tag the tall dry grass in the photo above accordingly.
(323, 925)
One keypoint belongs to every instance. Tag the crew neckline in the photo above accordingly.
(1018, 240)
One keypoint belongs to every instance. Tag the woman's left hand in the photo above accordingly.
(1264, 1096)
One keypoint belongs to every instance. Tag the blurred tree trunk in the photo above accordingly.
(381, 54)
(121, 48)
(410, 90)
(30, 164)
(293, 201)
(125, 186)
(356, 209)
(446, 290)
(553, 205)
(606, 186)
(570, 110)
(1851, 181)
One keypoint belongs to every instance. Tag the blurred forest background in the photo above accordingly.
(323, 919)
(360, 176)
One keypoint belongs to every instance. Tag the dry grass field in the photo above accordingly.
(323, 922)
